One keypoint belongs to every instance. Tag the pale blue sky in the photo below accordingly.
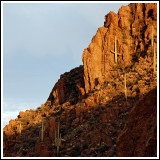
(41, 42)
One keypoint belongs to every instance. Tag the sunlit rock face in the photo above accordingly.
(132, 26)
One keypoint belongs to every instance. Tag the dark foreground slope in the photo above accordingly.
(139, 137)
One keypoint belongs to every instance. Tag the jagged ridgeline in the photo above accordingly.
(105, 107)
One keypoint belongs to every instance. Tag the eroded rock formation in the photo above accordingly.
(70, 87)
(132, 26)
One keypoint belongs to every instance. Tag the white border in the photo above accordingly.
(3, 2)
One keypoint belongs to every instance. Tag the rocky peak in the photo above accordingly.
(70, 87)
(132, 27)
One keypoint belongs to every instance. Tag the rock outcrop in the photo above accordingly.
(139, 137)
(70, 87)
(132, 26)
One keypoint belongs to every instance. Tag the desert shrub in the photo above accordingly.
(72, 112)
(128, 68)
(32, 143)
(108, 105)
(14, 127)
(132, 82)
(51, 147)
(85, 145)
(96, 115)
(125, 42)
(113, 141)
(118, 67)
(77, 130)
(103, 148)
(125, 28)
(92, 121)
(17, 148)
(122, 126)
(114, 153)
(34, 155)
(38, 108)
(136, 55)
(76, 151)
(25, 145)
(24, 152)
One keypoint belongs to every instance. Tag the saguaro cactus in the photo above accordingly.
(57, 139)
(125, 86)
(154, 62)
(115, 50)
(152, 36)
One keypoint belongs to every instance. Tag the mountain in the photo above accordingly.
(106, 107)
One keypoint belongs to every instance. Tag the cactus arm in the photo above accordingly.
(57, 140)
(152, 36)
(114, 52)
(115, 48)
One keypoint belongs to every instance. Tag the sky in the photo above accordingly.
(41, 41)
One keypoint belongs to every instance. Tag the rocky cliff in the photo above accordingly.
(70, 87)
(105, 107)
(132, 26)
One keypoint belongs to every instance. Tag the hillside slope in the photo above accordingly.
(139, 137)
(96, 107)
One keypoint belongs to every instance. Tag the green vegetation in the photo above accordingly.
(85, 145)
(92, 121)
(24, 152)
(136, 55)
(32, 143)
(109, 105)
(17, 148)
(76, 151)
(120, 67)
(77, 130)
(152, 36)
(62, 131)
(125, 28)
(58, 139)
(154, 61)
(49, 103)
(115, 50)
(103, 148)
(114, 153)
(125, 42)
